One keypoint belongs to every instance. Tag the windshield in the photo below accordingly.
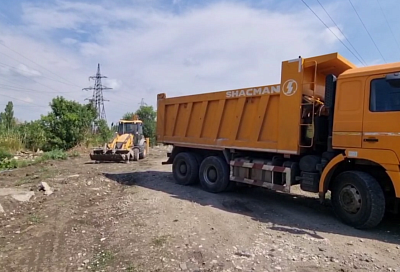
(130, 128)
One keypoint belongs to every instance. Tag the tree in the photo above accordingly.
(67, 124)
(7, 117)
(103, 130)
(33, 135)
(128, 116)
(148, 115)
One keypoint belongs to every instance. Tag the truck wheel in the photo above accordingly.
(185, 168)
(358, 199)
(136, 154)
(214, 174)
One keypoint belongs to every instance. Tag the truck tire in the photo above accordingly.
(143, 154)
(136, 154)
(358, 199)
(185, 168)
(214, 174)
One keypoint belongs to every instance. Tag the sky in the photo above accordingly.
(178, 47)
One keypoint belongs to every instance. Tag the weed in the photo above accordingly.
(34, 218)
(56, 154)
(22, 182)
(74, 154)
(101, 260)
(131, 268)
(8, 164)
(10, 140)
(160, 240)
(5, 154)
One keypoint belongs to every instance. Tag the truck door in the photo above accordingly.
(381, 121)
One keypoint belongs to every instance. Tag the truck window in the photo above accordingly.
(384, 97)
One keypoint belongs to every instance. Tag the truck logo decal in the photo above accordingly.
(254, 91)
(290, 87)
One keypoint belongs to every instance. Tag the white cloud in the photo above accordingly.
(219, 46)
(25, 71)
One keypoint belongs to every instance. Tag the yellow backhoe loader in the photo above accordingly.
(128, 144)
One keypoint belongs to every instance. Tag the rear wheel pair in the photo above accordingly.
(212, 172)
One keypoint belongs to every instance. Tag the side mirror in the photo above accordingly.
(393, 79)
(112, 124)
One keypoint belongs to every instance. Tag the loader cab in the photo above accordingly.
(131, 127)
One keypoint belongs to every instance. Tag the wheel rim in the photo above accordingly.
(210, 175)
(350, 199)
(182, 168)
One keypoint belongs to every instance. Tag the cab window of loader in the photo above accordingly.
(384, 97)
(130, 128)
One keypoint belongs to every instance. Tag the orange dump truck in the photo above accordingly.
(327, 126)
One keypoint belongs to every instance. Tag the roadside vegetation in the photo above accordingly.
(67, 125)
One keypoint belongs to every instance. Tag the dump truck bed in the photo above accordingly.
(263, 118)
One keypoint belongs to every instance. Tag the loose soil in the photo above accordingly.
(133, 217)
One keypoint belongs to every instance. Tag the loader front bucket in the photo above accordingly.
(116, 155)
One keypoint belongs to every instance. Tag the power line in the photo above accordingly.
(367, 31)
(39, 83)
(363, 61)
(24, 106)
(331, 31)
(15, 88)
(387, 22)
(23, 100)
(2, 63)
(1, 43)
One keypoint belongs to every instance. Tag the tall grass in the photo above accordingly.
(10, 140)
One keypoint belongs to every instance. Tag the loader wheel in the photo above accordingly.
(143, 154)
(185, 168)
(214, 174)
(136, 154)
(358, 199)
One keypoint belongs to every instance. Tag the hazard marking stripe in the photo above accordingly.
(248, 164)
(260, 166)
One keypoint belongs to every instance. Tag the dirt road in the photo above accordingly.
(132, 217)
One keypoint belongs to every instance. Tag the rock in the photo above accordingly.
(17, 194)
(183, 266)
(86, 261)
(1, 209)
(243, 254)
(43, 186)
(80, 268)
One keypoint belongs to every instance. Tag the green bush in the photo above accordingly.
(54, 155)
(5, 154)
(8, 164)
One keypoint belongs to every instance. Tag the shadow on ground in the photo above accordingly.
(294, 214)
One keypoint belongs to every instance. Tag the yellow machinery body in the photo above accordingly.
(127, 144)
